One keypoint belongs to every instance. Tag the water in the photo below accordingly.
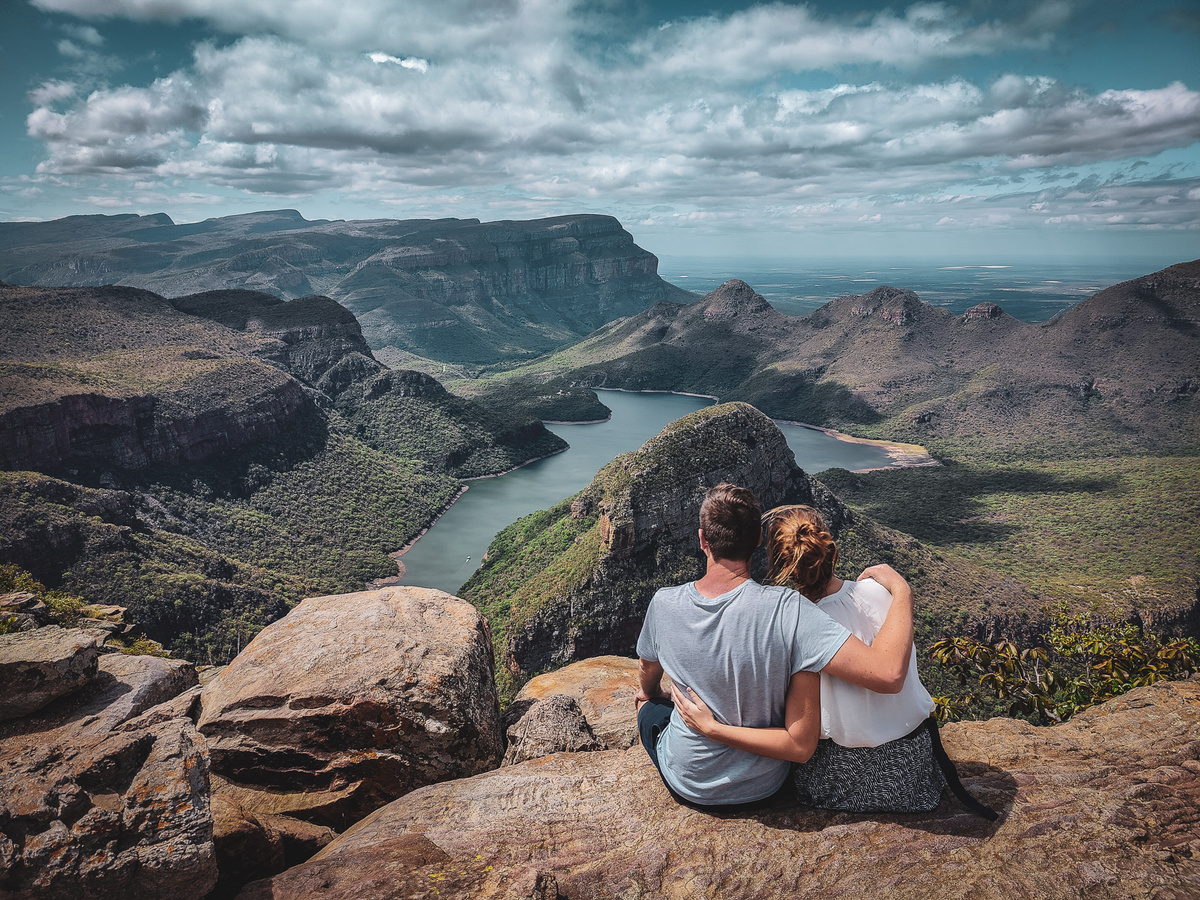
(1031, 292)
(453, 548)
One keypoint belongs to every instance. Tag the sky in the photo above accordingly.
(975, 131)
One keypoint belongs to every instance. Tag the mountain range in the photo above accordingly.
(1117, 373)
(456, 291)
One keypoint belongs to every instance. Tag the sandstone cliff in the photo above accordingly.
(1102, 807)
(118, 377)
(449, 289)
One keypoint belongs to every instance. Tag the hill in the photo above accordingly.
(1117, 374)
(574, 581)
(207, 460)
(449, 290)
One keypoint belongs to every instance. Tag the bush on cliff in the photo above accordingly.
(1079, 665)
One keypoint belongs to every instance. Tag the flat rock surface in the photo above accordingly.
(105, 795)
(351, 701)
(42, 665)
(1105, 806)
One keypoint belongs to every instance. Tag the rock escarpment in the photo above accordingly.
(118, 377)
(448, 289)
(104, 793)
(1103, 806)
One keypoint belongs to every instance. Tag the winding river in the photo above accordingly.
(453, 548)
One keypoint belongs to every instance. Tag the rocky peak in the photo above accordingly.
(402, 383)
(984, 311)
(736, 300)
(635, 528)
(893, 305)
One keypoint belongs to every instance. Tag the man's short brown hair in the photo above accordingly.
(732, 521)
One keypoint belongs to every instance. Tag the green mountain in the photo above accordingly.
(449, 290)
(574, 581)
(1116, 374)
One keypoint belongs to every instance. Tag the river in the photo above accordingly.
(447, 555)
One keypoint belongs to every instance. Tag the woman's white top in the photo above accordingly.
(854, 716)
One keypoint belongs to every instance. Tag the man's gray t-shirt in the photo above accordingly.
(738, 652)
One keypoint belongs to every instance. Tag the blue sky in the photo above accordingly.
(971, 131)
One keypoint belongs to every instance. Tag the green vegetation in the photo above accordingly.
(328, 521)
(1079, 665)
(552, 400)
(175, 589)
(450, 434)
(63, 609)
(1119, 534)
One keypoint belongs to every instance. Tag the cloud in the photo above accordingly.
(521, 105)
(430, 29)
(409, 62)
(51, 92)
(774, 38)
(84, 34)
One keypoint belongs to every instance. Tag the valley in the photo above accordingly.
(208, 459)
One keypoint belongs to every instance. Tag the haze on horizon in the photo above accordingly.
(964, 132)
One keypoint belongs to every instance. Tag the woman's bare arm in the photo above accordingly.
(795, 741)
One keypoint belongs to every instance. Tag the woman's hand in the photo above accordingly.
(695, 712)
(891, 580)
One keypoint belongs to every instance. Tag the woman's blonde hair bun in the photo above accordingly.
(801, 552)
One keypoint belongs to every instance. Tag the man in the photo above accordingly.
(753, 653)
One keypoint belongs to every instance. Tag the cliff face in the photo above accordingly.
(452, 290)
(311, 335)
(113, 377)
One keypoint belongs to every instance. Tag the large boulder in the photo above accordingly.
(44, 664)
(1105, 806)
(104, 793)
(351, 701)
(604, 687)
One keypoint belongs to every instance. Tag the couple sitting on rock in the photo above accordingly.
(762, 678)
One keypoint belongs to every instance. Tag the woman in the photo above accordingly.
(878, 752)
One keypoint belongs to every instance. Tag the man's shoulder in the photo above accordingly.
(673, 591)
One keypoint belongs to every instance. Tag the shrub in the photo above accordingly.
(1081, 664)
